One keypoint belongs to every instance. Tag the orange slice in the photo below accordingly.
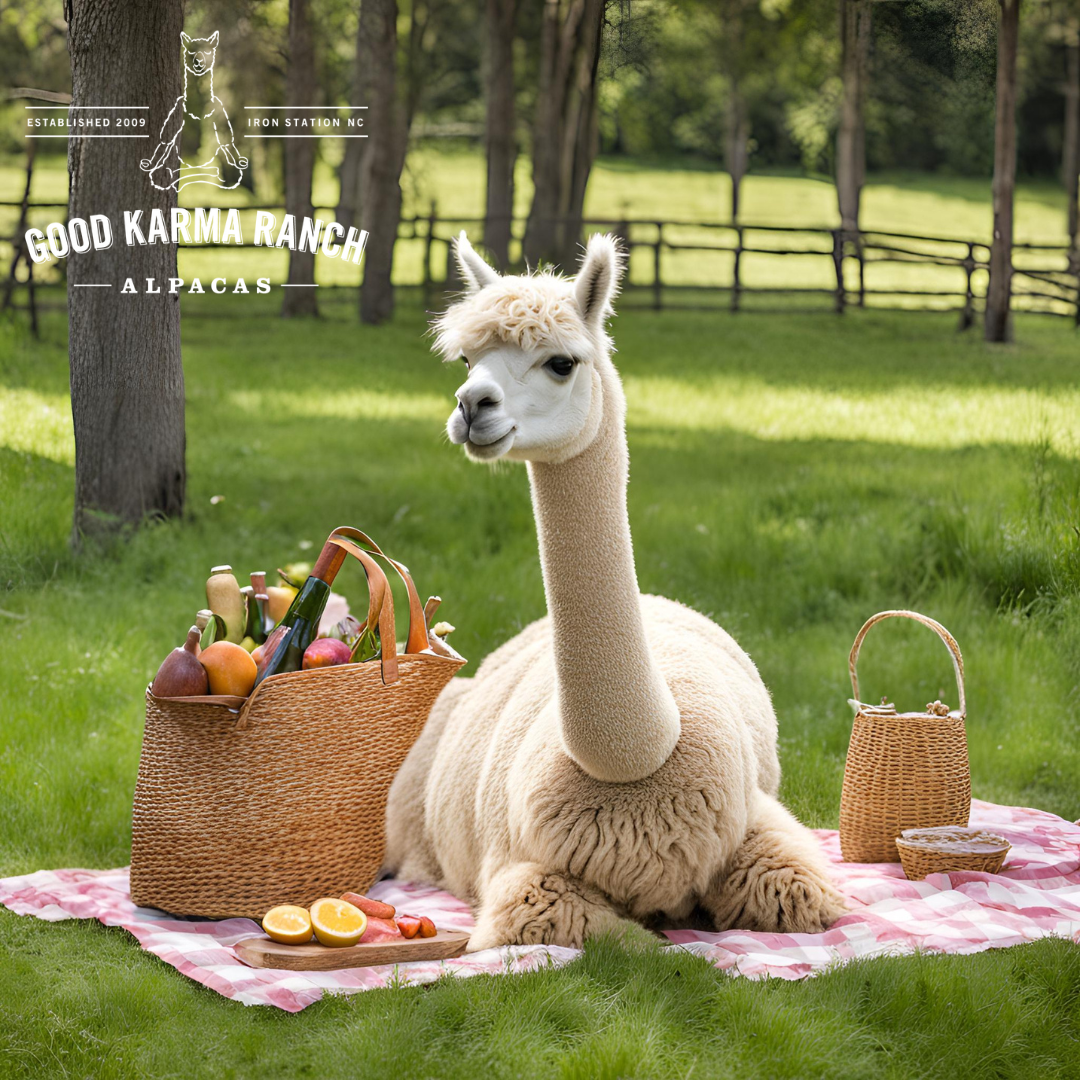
(337, 922)
(288, 924)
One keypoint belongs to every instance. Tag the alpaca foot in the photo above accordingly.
(777, 881)
(525, 904)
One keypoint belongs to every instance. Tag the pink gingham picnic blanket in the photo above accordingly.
(1037, 895)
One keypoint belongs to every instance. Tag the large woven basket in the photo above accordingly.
(241, 805)
(903, 770)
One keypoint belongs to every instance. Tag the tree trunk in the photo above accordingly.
(855, 37)
(738, 139)
(300, 85)
(349, 193)
(1071, 149)
(127, 377)
(565, 132)
(499, 135)
(998, 322)
(380, 174)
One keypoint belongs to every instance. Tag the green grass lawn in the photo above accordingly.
(790, 476)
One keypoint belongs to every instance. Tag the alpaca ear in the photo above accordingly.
(184, 38)
(213, 39)
(598, 279)
(473, 269)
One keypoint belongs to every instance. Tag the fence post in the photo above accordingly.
(967, 315)
(838, 265)
(736, 285)
(862, 268)
(428, 240)
(19, 250)
(658, 298)
(1074, 266)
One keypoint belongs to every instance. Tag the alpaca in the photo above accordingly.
(617, 759)
(166, 167)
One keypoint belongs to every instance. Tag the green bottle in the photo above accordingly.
(284, 647)
(253, 625)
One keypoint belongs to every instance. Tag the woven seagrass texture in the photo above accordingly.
(903, 770)
(918, 862)
(231, 819)
(907, 771)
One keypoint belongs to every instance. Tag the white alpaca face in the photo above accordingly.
(533, 346)
(199, 53)
(522, 404)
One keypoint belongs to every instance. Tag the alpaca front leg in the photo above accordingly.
(527, 904)
(777, 880)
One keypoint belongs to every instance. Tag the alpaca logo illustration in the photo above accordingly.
(181, 160)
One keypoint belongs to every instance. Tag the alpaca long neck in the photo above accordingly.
(619, 720)
(199, 84)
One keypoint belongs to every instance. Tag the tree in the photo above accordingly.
(737, 127)
(380, 175)
(499, 137)
(997, 325)
(855, 31)
(565, 134)
(349, 171)
(127, 377)
(300, 160)
(1071, 142)
(393, 104)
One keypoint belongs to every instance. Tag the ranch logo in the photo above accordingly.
(224, 168)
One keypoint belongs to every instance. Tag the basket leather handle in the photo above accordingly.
(950, 644)
(354, 541)
(380, 610)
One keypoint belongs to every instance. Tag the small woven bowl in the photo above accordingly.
(948, 848)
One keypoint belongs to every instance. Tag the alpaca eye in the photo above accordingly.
(465, 361)
(560, 366)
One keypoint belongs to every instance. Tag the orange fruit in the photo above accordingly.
(287, 923)
(230, 668)
(337, 922)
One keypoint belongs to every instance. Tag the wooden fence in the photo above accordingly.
(709, 265)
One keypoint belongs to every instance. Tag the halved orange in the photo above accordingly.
(337, 922)
(287, 923)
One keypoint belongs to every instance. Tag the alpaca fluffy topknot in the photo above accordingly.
(531, 311)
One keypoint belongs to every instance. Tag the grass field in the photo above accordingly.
(790, 476)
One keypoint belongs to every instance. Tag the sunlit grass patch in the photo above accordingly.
(909, 415)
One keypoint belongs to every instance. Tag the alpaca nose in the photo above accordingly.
(478, 395)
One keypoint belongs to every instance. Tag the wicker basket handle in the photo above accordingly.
(354, 541)
(950, 643)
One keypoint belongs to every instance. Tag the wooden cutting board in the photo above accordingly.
(261, 952)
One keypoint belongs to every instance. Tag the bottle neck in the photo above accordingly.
(328, 563)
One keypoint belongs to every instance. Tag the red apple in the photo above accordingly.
(326, 652)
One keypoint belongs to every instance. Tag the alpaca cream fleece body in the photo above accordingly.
(618, 757)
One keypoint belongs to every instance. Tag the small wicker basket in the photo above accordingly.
(242, 804)
(903, 770)
(947, 849)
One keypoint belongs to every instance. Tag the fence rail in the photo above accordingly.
(717, 265)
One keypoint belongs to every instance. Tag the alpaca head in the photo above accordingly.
(536, 347)
(199, 52)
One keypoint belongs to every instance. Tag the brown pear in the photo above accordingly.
(181, 674)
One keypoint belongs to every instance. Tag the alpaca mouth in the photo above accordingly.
(492, 450)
